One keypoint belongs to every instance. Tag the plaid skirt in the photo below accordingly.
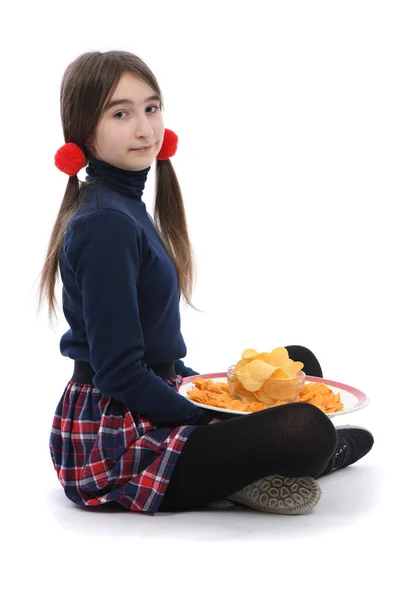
(103, 453)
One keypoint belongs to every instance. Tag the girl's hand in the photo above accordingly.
(215, 421)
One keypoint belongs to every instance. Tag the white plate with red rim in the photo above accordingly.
(352, 398)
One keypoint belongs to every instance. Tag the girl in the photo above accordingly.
(121, 432)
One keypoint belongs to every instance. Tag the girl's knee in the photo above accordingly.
(312, 428)
(323, 432)
(308, 358)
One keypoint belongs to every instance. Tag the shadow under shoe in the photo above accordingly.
(280, 495)
(354, 442)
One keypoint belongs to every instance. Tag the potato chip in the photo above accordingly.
(280, 373)
(295, 367)
(258, 356)
(254, 406)
(248, 353)
(279, 357)
(241, 364)
(263, 397)
(199, 382)
(282, 389)
(260, 369)
(249, 383)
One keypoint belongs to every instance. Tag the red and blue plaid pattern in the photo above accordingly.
(102, 453)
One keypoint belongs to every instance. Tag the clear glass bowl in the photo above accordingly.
(269, 391)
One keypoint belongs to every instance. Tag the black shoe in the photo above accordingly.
(353, 443)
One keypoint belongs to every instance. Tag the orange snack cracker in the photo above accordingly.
(322, 396)
(217, 394)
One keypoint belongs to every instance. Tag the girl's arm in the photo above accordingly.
(105, 253)
(183, 370)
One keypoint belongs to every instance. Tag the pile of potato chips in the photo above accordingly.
(261, 380)
(262, 365)
(267, 377)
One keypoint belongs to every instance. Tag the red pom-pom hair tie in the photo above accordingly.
(169, 145)
(70, 159)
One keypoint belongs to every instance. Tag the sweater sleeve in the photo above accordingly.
(105, 254)
(183, 370)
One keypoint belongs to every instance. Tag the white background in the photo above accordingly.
(288, 121)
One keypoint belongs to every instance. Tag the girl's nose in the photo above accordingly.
(143, 127)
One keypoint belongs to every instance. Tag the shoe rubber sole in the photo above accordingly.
(280, 495)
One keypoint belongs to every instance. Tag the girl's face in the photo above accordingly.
(125, 126)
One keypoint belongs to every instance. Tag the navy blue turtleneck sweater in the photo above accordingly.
(121, 298)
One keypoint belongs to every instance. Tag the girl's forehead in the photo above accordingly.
(131, 84)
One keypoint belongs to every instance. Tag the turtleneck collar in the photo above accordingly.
(128, 183)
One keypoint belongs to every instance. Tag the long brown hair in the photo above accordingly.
(87, 85)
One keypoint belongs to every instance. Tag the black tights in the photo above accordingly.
(217, 460)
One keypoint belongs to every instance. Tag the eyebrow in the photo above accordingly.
(118, 101)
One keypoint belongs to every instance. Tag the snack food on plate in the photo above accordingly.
(262, 380)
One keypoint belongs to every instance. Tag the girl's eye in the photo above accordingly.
(124, 111)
